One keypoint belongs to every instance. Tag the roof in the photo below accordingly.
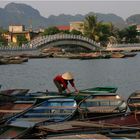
(63, 27)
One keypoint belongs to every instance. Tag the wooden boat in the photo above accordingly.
(101, 104)
(85, 127)
(134, 101)
(129, 54)
(85, 92)
(51, 110)
(117, 55)
(11, 108)
(14, 92)
(131, 119)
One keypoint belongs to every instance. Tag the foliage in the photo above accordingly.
(51, 31)
(129, 35)
(75, 32)
(21, 39)
(3, 40)
(98, 31)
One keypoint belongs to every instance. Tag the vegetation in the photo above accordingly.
(21, 39)
(129, 35)
(3, 40)
(51, 31)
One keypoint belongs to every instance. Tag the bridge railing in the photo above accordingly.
(44, 39)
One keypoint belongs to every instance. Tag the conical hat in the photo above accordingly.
(67, 76)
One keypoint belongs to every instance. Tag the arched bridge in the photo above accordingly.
(39, 43)
(64, 39)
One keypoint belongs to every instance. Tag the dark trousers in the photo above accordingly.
(59, 86)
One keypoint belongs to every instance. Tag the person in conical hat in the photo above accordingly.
(62, 81)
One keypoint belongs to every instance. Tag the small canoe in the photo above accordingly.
(101, 104)
(133, 101)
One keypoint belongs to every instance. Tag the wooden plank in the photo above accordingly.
(10, 111)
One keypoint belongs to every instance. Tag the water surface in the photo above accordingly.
(38, 74)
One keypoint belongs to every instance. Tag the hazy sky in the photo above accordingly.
(47, 8)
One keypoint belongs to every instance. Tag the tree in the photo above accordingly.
(51, 31)
(91, 27)
(129, 34)
(98, 31)
(21, 39)
(3, 40)
(75, 32)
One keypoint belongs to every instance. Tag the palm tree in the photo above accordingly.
(91, 27)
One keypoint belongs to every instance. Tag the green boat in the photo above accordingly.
(77, 96)
(100, 89)
(86, 92)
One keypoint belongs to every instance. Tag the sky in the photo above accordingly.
(46, 8)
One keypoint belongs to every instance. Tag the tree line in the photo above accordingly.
(101, 32)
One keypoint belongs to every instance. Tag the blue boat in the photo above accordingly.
(51, 110)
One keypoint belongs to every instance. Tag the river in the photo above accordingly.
(38, 74)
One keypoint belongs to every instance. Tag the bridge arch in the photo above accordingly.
(64, 39)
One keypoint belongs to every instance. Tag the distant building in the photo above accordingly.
(63, 27)
(138, 28)
(77, 25)
(15, 30)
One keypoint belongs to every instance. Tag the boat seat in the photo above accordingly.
(21, 123)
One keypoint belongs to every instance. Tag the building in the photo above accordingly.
(77, 25)
(15, 31)
(138, 28)
(63, 27)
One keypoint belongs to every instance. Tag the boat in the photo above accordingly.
(117, 55)
(51, 110)
(101, 104)
(117, 128)
(10, 108)
(133, 101)
(14, 92)
(129, 54)
(85, 92)
(108, 89)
